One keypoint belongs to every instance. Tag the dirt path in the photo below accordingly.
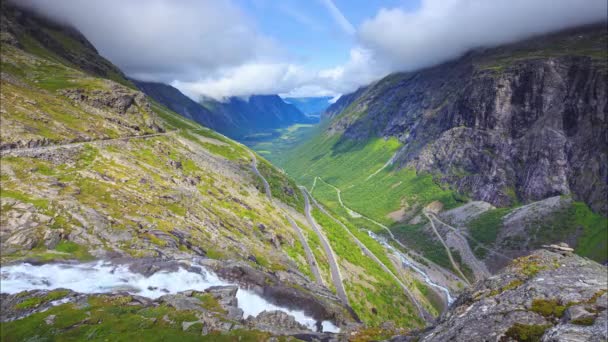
(23, 151)
(333, 265)
(465, 236)
(447, 249)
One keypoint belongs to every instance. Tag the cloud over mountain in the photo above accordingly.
(443, 29)
(215, 48)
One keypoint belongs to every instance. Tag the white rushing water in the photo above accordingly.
(407, 262)
(104, 277)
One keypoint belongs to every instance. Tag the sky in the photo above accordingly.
(222, 48)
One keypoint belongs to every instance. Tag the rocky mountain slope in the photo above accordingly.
(521, 122)
(97, 177)
(173, 99)
(546, 296)
(517, 128)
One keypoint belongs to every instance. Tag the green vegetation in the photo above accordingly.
(33, 302)
(526, 332)
(578, 219)
(548, 308)
(591, 45)
(373, 293)
(484, 229)
(510, 286)
(281, 186)
(75, 250)
(278, 144)
(111, 319)
(584, 321)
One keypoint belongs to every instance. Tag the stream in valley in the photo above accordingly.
(106, 277)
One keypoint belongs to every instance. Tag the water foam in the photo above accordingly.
(104, 277)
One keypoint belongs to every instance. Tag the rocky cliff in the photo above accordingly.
(546, 296)
(521, 122)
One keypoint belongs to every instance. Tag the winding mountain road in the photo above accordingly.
(447, 249)
(423, 313)
(333, 265)
(254, 166)
(312, 262)
(355, 214)
(466, 235)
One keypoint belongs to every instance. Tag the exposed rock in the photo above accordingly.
(532, 293)
(50, 319)
(501, 129)
(182, 302)
(275, 322)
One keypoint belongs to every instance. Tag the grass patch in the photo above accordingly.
(526, 332)
(485, 228)
(36, 301)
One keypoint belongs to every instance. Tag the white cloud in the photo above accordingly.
(211, 47)
(443, 29)
(164, 40)
(287, 79)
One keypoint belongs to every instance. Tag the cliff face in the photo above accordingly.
(516, 123)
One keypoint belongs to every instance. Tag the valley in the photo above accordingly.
(462, 200)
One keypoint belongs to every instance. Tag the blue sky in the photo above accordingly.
(222, 48)
(309, 31)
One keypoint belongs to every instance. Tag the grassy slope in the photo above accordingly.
(109, 179)
(373, 295)
(574, 220)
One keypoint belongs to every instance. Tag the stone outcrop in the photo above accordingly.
(546, 296)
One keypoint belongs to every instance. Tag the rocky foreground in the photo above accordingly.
(550, 295)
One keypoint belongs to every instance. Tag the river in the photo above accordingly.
(105, 277)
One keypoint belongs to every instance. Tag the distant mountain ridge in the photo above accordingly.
(235, 117)
(312, 106)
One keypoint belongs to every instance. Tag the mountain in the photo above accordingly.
(173, 99)
(255, 114)
(123, 219)
(518, 129)
(235, 117)
(509, 124)
(103, 186)
(312, 106)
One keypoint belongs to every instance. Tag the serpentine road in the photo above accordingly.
(333, 265)
(312, 262)
(423, 314)
(447, 249)
(355, 214)
(254, 166)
